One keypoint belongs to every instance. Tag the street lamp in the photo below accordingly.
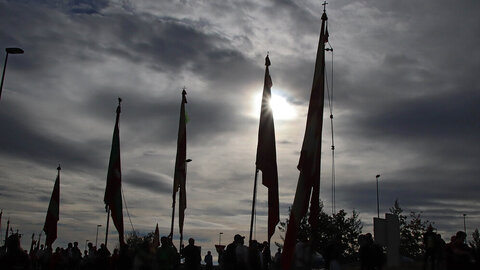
(96, 238)
(464, 225)
(9, 51)
(187, 161)
(378, 205)
(220, 238)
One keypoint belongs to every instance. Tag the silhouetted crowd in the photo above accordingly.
(371, 254)
(12, 256)
(146, 255)
(452, 256)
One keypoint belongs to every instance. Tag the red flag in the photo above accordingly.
(113, 191)
(266, 153)
(53, 213)
(180, 174)
(156, 237)
(308, 186)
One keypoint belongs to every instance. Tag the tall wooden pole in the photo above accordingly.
(173, 215)
(253, 205)
(108, 221)
(378, 204)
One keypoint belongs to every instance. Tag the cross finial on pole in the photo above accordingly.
(324, 5)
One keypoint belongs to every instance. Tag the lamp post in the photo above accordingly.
(9, 51)
(96, 238)
(378, 205)
(464, 224)
(220, 238)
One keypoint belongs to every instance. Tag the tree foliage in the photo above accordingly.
(412, 228)
(135, 241)
(339, 228)
(475, 244)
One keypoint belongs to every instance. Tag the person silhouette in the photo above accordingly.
(15, 257)
(192, 256)
(429, 242)
(208, 261)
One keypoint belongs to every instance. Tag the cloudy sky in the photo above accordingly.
(406, 106)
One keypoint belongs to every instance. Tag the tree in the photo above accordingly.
(134, 241)
(475, 245)
(338, 228)
(411, 232)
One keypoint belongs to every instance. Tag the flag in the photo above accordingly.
(308, 186)
(156, 238)
(53, 213)
(180, 174)
(266, 153)
(113, 191)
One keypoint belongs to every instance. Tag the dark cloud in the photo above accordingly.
(21, 139)
(74, 6)
(157, 184)
(405, 101)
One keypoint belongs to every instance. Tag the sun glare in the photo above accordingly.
(282, 109)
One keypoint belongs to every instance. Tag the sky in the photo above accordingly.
(405, 104)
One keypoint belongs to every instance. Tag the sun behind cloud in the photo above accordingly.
(282, 109)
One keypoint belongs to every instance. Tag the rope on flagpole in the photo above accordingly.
(330, 105)
(128, 214)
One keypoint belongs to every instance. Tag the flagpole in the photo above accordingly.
(308, 185)
(181, 240)
(1, 234)
(6, 233)
(253, 205)
(33, 241)
(108, 221)
(173, 215)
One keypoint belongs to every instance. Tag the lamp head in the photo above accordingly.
(14, 50)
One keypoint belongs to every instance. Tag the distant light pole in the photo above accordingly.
(9, 51)
(186, 163)
(96, 238)
(220, 238)
(378, 205)
(464, 224)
